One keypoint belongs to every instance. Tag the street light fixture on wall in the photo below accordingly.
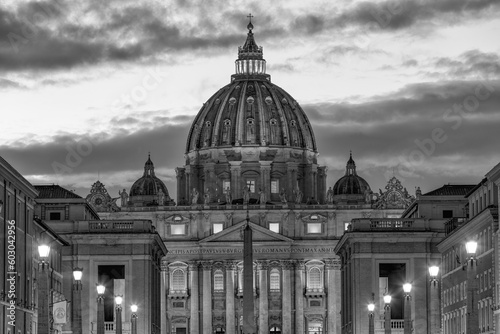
(407, 325)
(434, 313)
(371, 325)
(387, 313)
(134, 308)
(44, 290)
(77, 298)
(472, 318)
(118, 302)
(100, 308)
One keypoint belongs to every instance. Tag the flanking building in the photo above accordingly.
(18, 263)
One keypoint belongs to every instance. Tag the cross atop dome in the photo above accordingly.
(250, 25)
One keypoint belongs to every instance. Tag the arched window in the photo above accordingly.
(274, 280)
(314, 281)
(275, 330)
(178, 280)
(218, 280)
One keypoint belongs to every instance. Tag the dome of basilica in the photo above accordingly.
(149, 189)
(351, 183)
(250, 111)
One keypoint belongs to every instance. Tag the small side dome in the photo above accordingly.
(149, 190)
(351, 187)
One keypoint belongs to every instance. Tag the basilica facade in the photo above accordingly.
(251, 158)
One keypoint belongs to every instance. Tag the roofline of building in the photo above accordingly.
(483, 181)
(50, 231)
(15, 174)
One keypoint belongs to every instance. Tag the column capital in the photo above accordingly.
(334, 264)
(230, 265)
(206, 265)
(262, 265)
(193, 265)
(300, 265)
(287, 264)
(164, 265)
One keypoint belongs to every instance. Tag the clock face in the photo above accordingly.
(98, 200)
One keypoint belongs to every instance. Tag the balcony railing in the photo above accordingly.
(115, 226)
(396, 224)
(453, 224)
(397, 326)
(110, 327)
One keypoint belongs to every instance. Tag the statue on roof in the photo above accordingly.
(124, 197)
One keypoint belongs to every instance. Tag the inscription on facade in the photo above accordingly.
(173, 251)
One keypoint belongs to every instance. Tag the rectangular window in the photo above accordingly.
(251, 185)
(178, 229)
(314, 228)
(217, 227)
(275, 227)
(226, 185)
(275, 186)
(447, 213)
(55, 216)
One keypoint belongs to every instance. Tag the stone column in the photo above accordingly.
(194, 321)
(263, 267)
(236, 179)
(230, 315)
(291, 179)
(181, 184)
(207, 296)
(333, 298)
(163, 294)
(265, 178)
(299, 296)
(287, 266)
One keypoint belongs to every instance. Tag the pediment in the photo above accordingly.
(235, 234)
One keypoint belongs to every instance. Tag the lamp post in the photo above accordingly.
(434, 311)
(43, 290)
(77, 298)
(387, 313)
(100, 308)
(371, 325)
(472, 319)
(407, 325)
(133, 308)
(118, 302)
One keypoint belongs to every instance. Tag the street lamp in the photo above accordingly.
(472, 318)
(77, 298)
(133, 308)
(435, 310)
(407, 325)
(371, 326)
(118, 301)
(387, 313)
(100, 308)
(44, 290)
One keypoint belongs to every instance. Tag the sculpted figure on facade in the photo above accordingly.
(298, 196)
(246, 195)
(194, 196)
(329, 196)
(262, 197)
(206, 196)
(161, 197)
(124, 197)
(228, 195)
(283, 196)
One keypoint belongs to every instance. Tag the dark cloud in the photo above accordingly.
(470, 63)
(6, 83)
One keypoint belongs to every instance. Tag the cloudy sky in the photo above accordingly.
(88, 87)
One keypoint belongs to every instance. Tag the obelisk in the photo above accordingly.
(248, 310)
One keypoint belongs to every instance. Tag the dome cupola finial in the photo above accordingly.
(149, 168)
(250, 60)
(250, 25)
(351, 166)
